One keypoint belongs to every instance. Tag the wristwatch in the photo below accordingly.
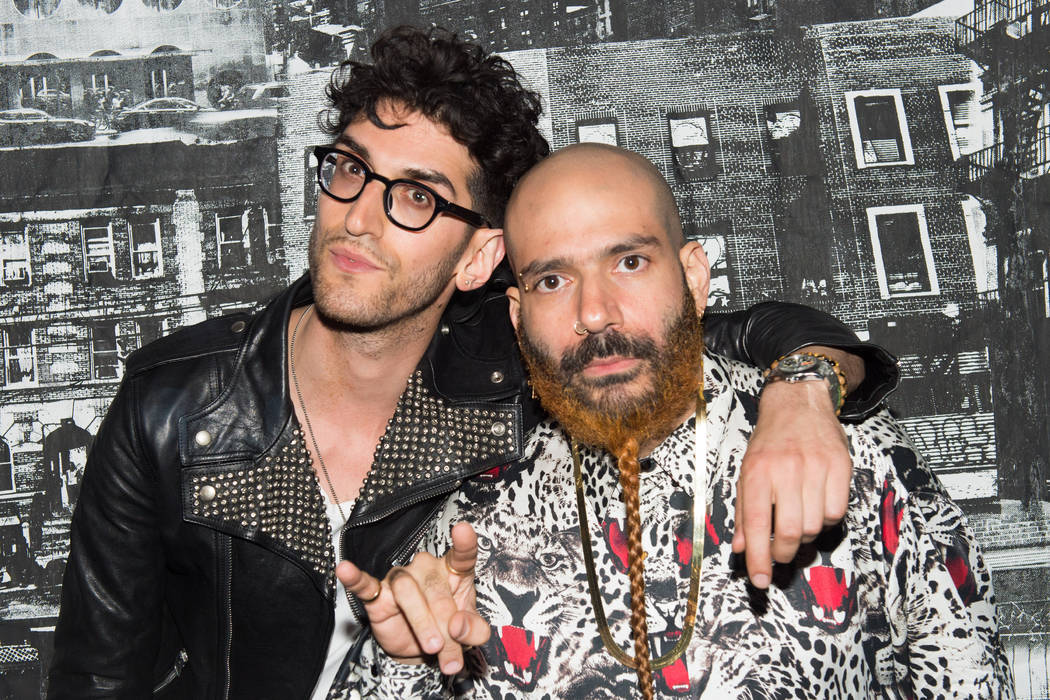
(809, 366)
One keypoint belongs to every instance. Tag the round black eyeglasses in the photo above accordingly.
(409, 204)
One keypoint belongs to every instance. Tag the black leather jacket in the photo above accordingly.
(198, 566)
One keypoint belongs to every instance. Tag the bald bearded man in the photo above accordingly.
(602, 563)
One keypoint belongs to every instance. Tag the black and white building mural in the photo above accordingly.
(886, 160)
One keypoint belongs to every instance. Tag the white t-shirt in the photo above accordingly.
(346, 625)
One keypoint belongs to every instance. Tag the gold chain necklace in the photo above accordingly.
(696, 562)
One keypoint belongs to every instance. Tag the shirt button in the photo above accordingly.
(499, 429)
(238, 326)
(208, 493)
(496, 377)
(202, 438)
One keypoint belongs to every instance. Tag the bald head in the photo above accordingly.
(583, 177)
(608, 294)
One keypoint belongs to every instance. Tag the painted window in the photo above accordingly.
(98, 252)
(879, 128)
(105, 359)
(969, 126)
(692, 145)
(14, 258)
(146, 261)
(37, 8)
(599, 129)
(112, 342)
(232, 234)
(903, 256)
(7, 468)
(714, 244)
(19, 357)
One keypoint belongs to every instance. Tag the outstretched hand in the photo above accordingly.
(794, 479)
(426, 608)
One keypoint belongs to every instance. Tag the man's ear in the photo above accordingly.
(513, 305)
(483, 254)
(697, 273)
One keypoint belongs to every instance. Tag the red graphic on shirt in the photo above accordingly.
(683, 547)
(617, 540)
(683, 543)
(829, 594)
(711, 530)
(492, 474)
(890, 514)
(674, 678)
(520, 654)
(958, 564)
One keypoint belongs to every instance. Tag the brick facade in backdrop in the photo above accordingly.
(897, 107)
(828, 170)
(513, 24)
(95, 265)
(822, 171)
(296, 166)
(1011, 40)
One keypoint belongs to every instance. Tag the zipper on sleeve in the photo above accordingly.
(229, 616)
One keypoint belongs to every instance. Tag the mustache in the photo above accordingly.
(606, 344)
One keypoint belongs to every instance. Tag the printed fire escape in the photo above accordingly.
(1010, 40)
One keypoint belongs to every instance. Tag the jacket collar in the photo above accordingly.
(469, 380)
(253, 408)
(473, 356)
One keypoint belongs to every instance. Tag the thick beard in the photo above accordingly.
(611, 424)
(390, 305)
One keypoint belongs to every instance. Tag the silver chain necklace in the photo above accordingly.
(313, 438)
(306, 416)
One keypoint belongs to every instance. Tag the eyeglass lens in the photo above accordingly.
(408, 205)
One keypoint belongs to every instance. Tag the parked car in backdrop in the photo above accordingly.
(52, 101)
(262, 96)
(29, 126)
(158, 112)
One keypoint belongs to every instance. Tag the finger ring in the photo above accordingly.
(379, 589)
(453, 570)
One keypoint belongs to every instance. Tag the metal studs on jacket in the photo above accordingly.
(428, 437)
(279, 498)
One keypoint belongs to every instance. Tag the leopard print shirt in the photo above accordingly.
(894, 603)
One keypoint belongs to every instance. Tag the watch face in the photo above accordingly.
(796, 363)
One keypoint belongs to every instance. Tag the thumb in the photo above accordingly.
(464, 553)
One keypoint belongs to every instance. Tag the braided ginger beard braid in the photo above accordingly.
(621, 424)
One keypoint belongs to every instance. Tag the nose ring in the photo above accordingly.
(579, 328)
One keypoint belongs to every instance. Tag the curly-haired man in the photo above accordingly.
(243, 453)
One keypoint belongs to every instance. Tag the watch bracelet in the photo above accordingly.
(836, 390)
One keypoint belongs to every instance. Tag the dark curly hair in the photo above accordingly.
(477, 97)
